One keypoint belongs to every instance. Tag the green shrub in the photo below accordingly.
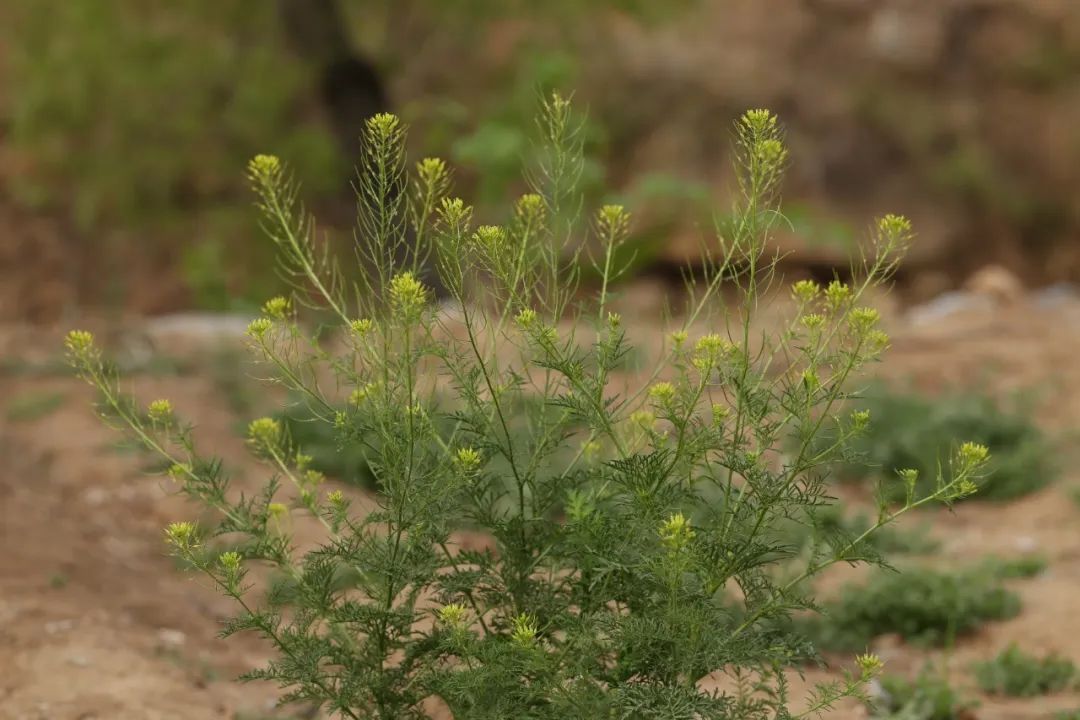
(1014, 672)
(912, 431)
(630, 515)
(921, 605)
(928, 697)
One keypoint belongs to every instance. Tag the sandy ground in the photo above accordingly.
(96, 622)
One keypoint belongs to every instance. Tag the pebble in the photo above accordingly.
(171, 638)
(1027, 544)
(947, 304)
(997, 283)
(58, 626)
(95, 496)
(1055, 295)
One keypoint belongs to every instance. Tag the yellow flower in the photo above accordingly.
(258, 327)
(837, 294)
(870, 665)
(613, 220)
(431, 171)
(526, 318)
(863, 319)
(453, 615)
(230, 562)
(362, 326)
(179, 472)
(277, 307)
(662, 392)
(407, 293)
(972, 454)
(383, 126)
(530, 208)
(264, 169)
(79, 343)
(265, 432)
(182, 535)
(467, 458)
(491, 238)
(676, 532)
(524, 632)
(161, 411)
(805, 291)
(895, 227)
(453, 212)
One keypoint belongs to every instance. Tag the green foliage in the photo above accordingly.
(630, 517)
(30, 406)
(913, 431)
(920, 605)
(1027, 566)
(928, 697)
(136, 117)
(832, 523)
(1014, 672)
(331, 454)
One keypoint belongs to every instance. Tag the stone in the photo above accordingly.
(171, 638)
(997, 283)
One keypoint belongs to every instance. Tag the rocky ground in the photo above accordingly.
(96, 621)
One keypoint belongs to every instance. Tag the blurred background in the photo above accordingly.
(125, 126)
(125, 129)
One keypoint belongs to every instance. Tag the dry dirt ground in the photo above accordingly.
(96, 622)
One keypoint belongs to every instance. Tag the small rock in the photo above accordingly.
(945, 305)
(58, 626)
(997, 283)
(171, 638)
(1027, 544)
(184, 334)
(878, 694)
(888, 646)
(79, 661)
(95, 496)
(912, 38)
(1055, 295)
(926, 286)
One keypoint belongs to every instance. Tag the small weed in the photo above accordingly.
(921, 605)
(832, 520)
(908, 430)
(1027, 566)
(245, 715)
(928, 697)
(33, 405)
(1013, 672)
(200, 669)
(58, 581)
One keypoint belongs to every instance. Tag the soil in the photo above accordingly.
(96, 621)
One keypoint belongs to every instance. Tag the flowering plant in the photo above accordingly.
(630, 562)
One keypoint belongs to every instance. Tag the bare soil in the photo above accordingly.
(96, 621)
